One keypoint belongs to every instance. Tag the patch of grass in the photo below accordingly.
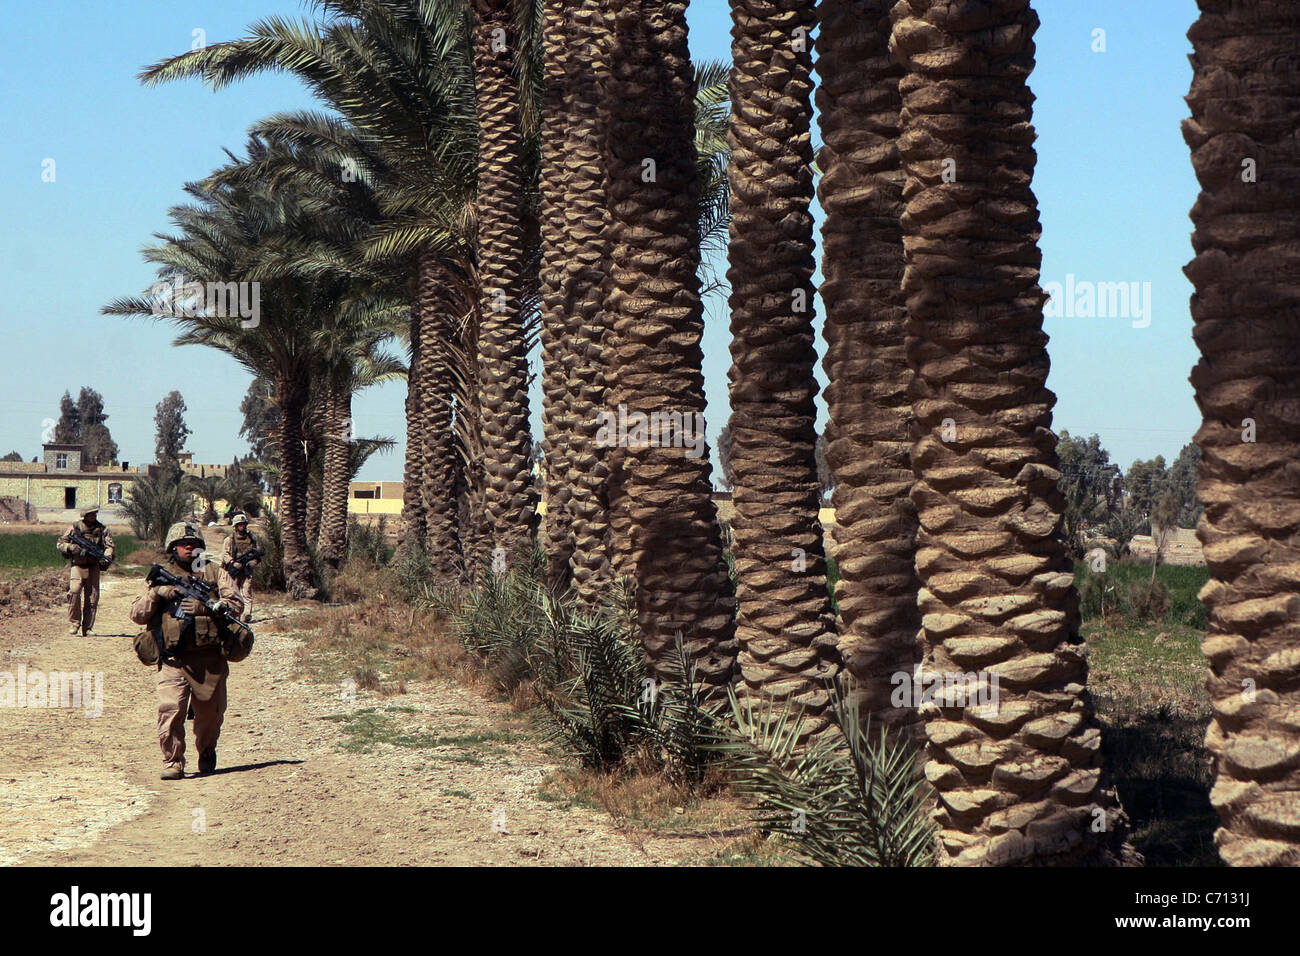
(1183, 582)
(368, 727)
(464, 794)
(647, 801)
(34, 550)
(1149, 685)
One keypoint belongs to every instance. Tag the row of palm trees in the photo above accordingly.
(494, 173)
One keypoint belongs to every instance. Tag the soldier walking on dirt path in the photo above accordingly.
(191, 651)
(237, 557)
(83, 575)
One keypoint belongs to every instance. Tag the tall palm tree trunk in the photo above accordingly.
(1021, 782)
(1245, 102)
(439, 307)
(291, 393)
(333, 547)
(784, 624)
(414, 528)
(574, 256)
(869, 429)
(509, 500)
(652, 184)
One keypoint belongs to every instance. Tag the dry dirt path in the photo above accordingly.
(79, 790)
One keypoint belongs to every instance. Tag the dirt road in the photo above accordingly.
(304, 778)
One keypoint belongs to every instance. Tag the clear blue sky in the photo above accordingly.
(1114, 184)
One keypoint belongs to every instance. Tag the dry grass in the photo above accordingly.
(375, 640)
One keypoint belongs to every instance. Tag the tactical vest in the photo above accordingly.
(241, 545)
(194, 632)
(95, 535)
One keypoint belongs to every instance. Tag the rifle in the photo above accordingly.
(253, 554)
(200, 591)
(91, 549)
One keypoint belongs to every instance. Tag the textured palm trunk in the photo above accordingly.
(439, 309)
(291, 396)
(574, 259)
(414, 528)
(470, 477)
(333, 546)
(1245, 103)
(652, 185)
(509, 497)
(784, 625)
(315, 502)
(1020, 781)
(869, 429)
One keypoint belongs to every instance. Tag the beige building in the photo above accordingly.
(61, 482)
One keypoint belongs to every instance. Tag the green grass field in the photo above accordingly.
(29, 552)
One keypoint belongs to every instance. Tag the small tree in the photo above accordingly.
(12, 456)
(171, 433)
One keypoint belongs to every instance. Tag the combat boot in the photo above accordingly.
(74, 629)
(208, 760)
(172, 773)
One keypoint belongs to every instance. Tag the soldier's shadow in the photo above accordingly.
(252, 766)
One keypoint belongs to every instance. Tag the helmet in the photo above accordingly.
(239, 518)
(182, 533)
(89, 510)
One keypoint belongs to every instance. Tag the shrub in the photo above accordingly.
(851, 798)
(368, 542)
(1149, 599)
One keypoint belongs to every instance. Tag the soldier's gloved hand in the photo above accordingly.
(194, 608)
(166, 593)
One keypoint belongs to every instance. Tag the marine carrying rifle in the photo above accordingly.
(91, 549)
(254, 554)
(196, 589)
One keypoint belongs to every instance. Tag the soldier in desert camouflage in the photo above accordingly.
(83, 576)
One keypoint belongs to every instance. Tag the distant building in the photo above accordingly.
(62, 482)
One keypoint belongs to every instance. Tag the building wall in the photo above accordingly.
(52, 453)
(47, 490)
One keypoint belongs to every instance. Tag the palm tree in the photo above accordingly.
(574, 254)
(784, 623)
(400, 74)
(239, 233)
(1023, 784)
(869, 428)
(209, 490)
(503, 358)
(653, 186)
(1242, 138)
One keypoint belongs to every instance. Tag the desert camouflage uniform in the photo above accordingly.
(236, 545)
(196, 675)
(83, 576)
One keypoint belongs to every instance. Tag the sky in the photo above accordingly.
(91, 160)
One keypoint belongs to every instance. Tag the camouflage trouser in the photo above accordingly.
(180, 688)
(244, 588)
(83, 596)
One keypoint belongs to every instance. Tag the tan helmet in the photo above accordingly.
(240, 518)
(181, 533)
(89, 510)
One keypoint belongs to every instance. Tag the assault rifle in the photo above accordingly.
(91, 549)
(200, 591)
(255, 554)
